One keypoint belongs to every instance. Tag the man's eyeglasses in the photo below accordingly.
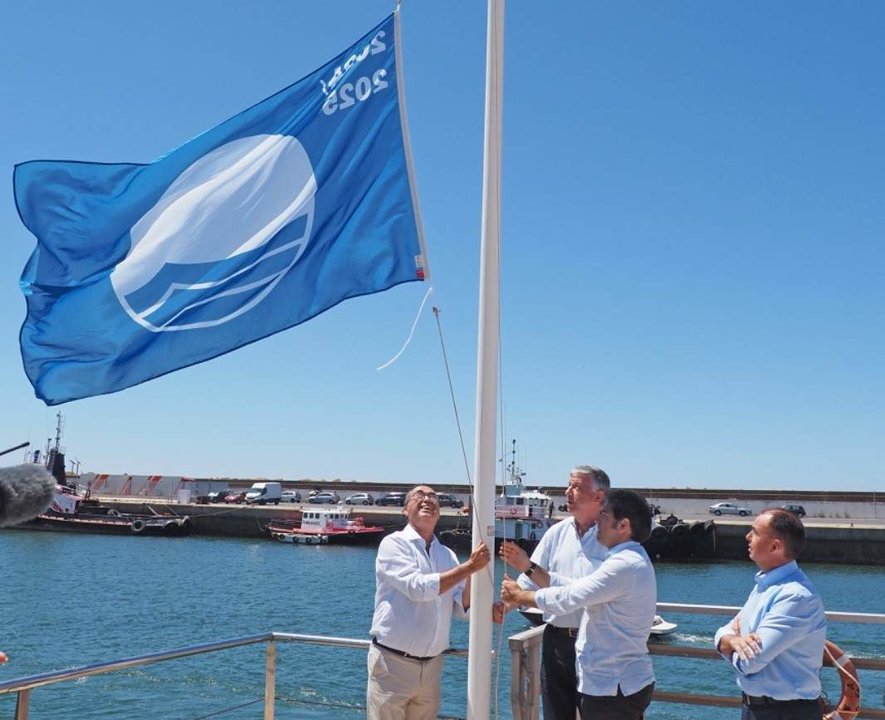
(421, 496)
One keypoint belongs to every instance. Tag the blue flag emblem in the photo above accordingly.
(181, 273)
(274, 216)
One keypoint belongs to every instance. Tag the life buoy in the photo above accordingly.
(513, 511)
(849, 702)
(137, 526)
(358, 521)
(330, 526)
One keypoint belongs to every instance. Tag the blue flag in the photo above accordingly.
(276, 215)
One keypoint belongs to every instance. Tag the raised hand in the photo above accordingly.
(480, 557)
(514, 555)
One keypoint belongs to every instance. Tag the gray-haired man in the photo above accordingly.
(569, 550)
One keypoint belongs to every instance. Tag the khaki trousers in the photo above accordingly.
(401, 688)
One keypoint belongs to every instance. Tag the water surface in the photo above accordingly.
(72, 600)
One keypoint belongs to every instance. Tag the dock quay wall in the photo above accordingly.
(841, 544)
(250, 521)
(831, 542)
(682, 502)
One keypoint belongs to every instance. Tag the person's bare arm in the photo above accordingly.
(478, 559)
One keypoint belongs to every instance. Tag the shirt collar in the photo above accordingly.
(776, 575)
(626, 545)
(589, 531)
(412, 535)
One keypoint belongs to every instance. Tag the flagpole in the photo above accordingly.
(480, 659)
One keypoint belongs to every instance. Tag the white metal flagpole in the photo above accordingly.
(479, 664)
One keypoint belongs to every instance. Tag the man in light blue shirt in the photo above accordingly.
(615, 675)
(569, 550)
(776, 642)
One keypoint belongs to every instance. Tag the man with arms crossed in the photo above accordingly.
(615, 676)
(776, 642)
(569, 550)
(419, 586)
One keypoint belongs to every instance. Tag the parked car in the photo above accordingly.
(235, 497)
(324, 498)
(729, 508)
(797, 510)
(217, 496)
(360, 499)
(392, 498)
(263, 493)
(449, 500)
(290, 496)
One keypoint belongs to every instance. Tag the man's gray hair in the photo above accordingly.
(599, 477)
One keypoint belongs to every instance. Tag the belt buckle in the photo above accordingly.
(571, 632)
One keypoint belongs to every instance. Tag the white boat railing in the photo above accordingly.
(525, 650)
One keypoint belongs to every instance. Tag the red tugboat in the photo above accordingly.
(325, 527)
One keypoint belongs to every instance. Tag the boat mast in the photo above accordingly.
(479, 674)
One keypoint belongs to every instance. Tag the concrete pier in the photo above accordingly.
(832, 541)
(849, 543)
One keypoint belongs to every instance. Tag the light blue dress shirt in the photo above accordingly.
(410, 613)
(566, 556)
(786, 612)
(618, 601)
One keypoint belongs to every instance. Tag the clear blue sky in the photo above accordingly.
(693, 240)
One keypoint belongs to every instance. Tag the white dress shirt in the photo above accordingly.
(619, 600)
(566, 556)
(410, 613)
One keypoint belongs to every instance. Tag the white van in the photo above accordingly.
(262, 493)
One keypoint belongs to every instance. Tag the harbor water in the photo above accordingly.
(73, 600)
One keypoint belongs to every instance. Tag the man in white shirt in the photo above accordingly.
(420, 585)
(615, 675)
(569, 550)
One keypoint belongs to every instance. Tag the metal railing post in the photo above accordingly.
(525, 674)
(516, 684)
(270, 680)
(23, 704)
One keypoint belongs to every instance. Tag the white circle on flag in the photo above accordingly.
(203, 239)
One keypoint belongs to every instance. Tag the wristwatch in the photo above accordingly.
(532, 567)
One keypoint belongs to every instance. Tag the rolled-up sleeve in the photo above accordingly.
(396, 564)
